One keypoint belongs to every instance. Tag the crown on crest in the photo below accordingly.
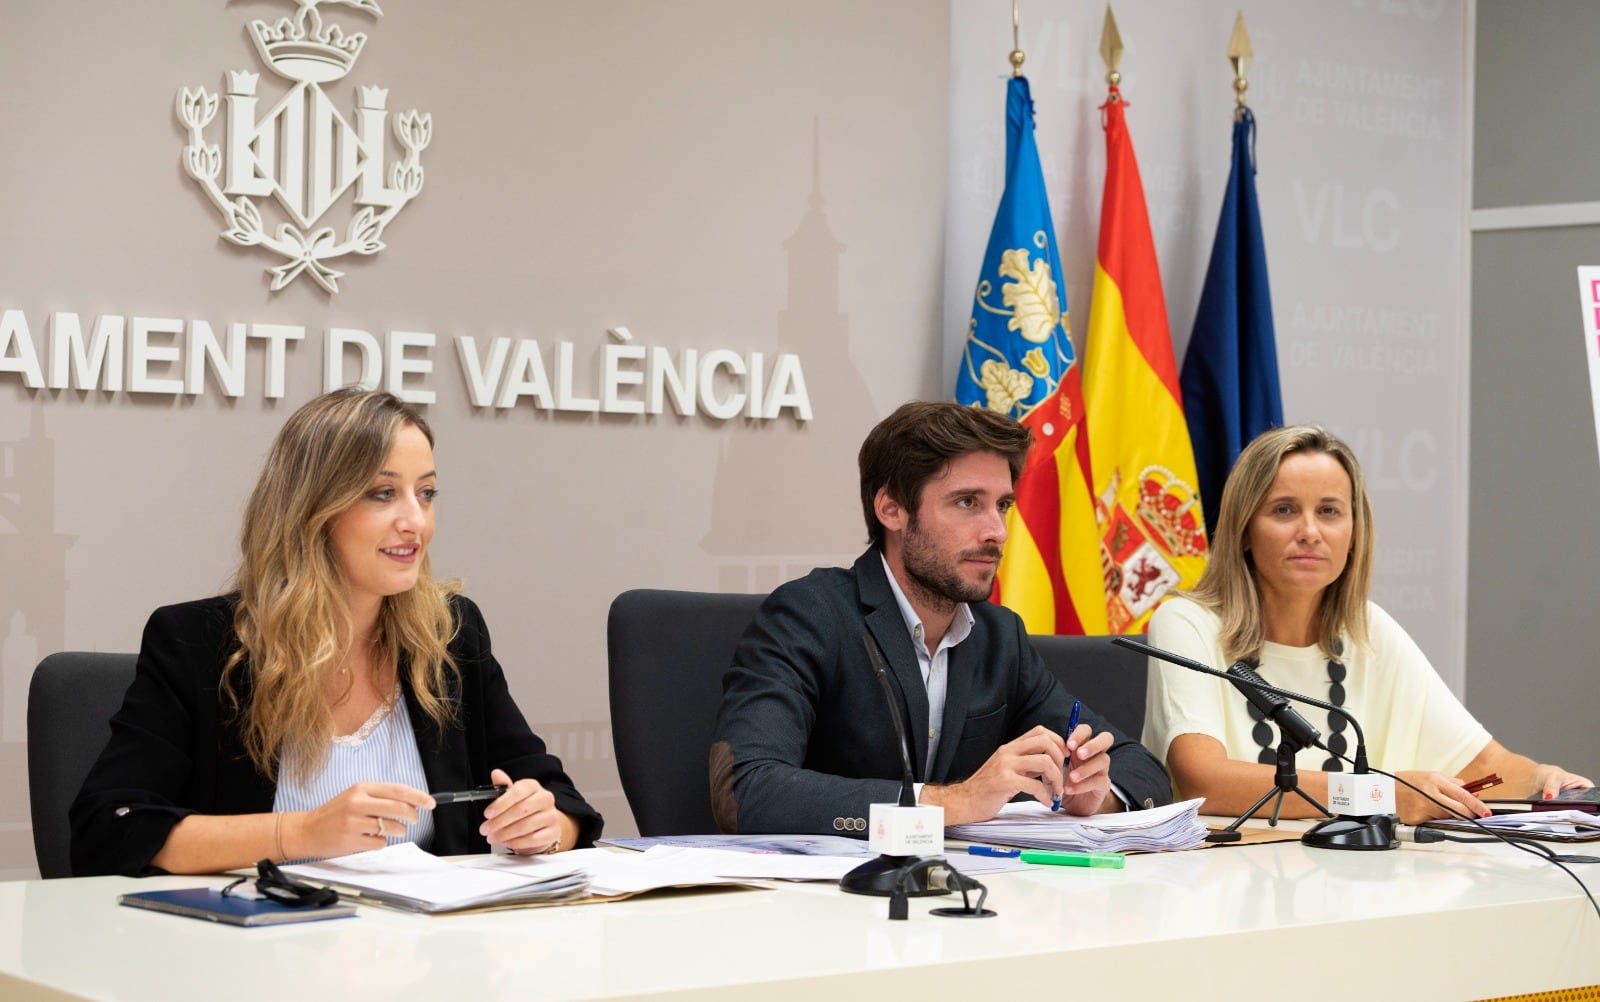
(1169, 509)
(308, 52)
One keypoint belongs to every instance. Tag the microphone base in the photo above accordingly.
(1367, 833)
(880, 877)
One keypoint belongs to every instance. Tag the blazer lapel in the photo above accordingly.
(888, 628)
(965, 661)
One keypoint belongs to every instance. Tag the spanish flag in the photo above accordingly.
(1147, 511)
(1018, 360)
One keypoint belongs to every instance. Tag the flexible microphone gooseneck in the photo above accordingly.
(1367, 832)
(886, 875)
(908, 780)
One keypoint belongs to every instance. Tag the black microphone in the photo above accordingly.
(908, 784)
(893, 877)
(1373, 831)
(1273, 706)
(1241, 682)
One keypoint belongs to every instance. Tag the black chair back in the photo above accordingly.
(667, 652)
(71, 700)
(1109, 678)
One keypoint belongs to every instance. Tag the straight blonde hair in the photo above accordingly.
(292, 617)
(1228, 586)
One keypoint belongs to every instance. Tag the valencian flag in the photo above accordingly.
(1150, 522)
(1018, 360)
(1230, 372)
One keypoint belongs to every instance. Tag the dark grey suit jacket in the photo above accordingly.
(804, 742)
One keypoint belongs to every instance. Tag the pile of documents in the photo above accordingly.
(407, 877)
(414, 879)
(1546, 826)
(1034, 826)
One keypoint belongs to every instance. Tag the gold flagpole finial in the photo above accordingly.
(1239, 54)
(1016, 45)
(1111, 49)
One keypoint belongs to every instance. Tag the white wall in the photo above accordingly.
(709, 173)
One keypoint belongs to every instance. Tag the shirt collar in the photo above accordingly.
(960, 626)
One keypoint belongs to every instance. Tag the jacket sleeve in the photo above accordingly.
(497, 728)
(140, 786)
(784, 666)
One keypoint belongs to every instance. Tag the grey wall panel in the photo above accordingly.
(1535, 482)
(1536, 93)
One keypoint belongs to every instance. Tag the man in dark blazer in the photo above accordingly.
(804, 741)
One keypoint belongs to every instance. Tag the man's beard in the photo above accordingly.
(938, 579)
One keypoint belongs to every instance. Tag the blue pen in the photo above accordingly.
(989, 850)
(1072, 725)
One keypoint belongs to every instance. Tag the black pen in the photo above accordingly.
(468, 796)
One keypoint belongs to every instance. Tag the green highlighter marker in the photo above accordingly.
(1099, 860)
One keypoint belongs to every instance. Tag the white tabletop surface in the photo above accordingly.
(1435, 921)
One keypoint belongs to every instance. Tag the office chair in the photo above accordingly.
(1108, 678)
(71, 700)
(667, 652)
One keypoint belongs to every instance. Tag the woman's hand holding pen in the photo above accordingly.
(362, 817)
(1448, 790)
(524, 819)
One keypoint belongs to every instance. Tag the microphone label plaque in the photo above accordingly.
(1360, 794)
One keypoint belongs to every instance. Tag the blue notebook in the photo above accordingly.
(209, 904)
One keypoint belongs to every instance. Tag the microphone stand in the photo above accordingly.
(885, 875)
(1286, 781)
(1346, 831)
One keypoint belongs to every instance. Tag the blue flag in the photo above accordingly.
(1018, 348)
(1230, 371)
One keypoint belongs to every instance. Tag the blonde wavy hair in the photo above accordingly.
(292, 610)
(1228, 586)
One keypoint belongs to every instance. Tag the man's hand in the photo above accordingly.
(1031, 764)
(1087, 786)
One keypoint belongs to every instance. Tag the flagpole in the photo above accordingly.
(1231, 390)
(1016, 45)
(1239, 56)
(1111, 52)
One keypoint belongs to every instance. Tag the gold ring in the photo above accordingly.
(380, 828)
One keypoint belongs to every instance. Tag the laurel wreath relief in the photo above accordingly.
(302, 252)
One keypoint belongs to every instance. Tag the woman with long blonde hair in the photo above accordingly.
(1287, 590)
(310, 712)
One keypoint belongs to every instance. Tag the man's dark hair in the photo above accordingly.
(919, 440)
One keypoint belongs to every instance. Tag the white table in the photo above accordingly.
(1428, 922)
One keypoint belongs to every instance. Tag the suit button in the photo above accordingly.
(1149, 802)
(860, 824)
(838, 824)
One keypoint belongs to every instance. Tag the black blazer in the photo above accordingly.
(804, 743)
(175, 748)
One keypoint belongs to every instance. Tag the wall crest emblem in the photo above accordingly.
(303, 153)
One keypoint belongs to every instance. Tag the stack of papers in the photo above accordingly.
(1546, 826)
(763, 856)
(412, 878)
(611, 874)
(1034, 826)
